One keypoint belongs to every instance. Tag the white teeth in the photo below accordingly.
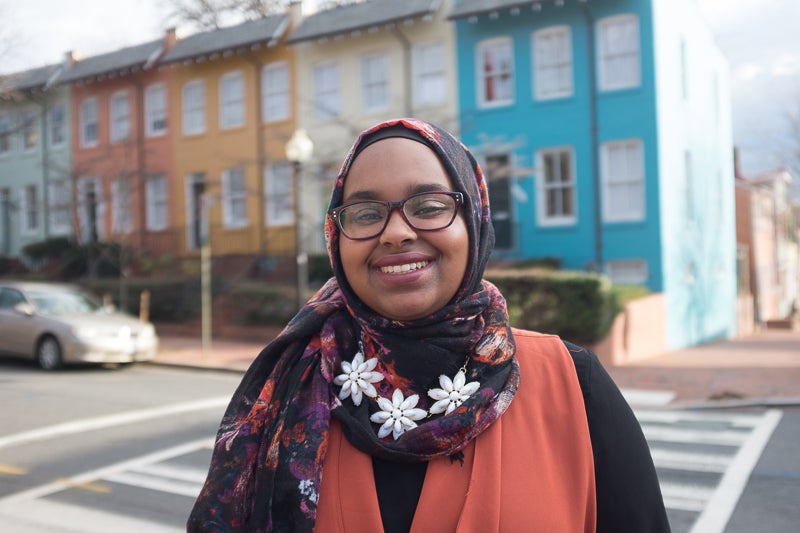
(401, 269)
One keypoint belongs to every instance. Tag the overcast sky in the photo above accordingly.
(760, 38)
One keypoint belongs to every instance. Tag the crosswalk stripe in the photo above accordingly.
(182, 473)
(144, 481)
(697, 462)
(646, 416)
(696, 436)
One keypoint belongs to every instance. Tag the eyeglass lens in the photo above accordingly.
(430, 211)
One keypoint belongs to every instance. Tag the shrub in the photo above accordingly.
(579, 307)
(52, 248)
(171, 300)
(319, 269)
(263, 304)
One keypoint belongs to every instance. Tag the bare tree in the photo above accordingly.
(212, 14)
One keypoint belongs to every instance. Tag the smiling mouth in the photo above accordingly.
(403, 269)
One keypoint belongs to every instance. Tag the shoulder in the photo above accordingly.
(534, 347)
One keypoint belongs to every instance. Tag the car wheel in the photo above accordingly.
(48, 354)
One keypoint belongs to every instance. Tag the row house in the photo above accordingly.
(604, 128)
(233, 113)
(121, 145)
(35, 159)
(362, 63)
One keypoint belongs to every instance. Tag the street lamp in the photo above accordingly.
(299, 149)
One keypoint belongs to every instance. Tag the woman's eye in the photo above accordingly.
(429, 209)
(365, 215)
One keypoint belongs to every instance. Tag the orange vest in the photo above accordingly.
(532, 470)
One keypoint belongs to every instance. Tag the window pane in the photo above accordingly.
(156, 109)
(619, 54)
(496, 71)
(430, 81)
(279, 201)
(120, 117)
(232, 100)
(275, 88)
(194, 107)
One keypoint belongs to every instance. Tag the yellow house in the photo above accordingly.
(232, 106)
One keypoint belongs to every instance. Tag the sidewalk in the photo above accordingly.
(760, 369)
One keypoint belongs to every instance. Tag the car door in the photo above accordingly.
(15, 328)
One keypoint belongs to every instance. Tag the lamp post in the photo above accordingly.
(299, 150)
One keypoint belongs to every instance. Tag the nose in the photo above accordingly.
(397, 230)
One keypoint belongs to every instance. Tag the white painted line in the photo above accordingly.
(105, 472)
(672, 417)
(181, 473)
(719, 509)
(694, 436)
(144, 481)
(689, 461)
(102, 422)
(686, 497)
(45, 516)
(650, 398)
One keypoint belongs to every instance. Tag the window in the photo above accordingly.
(155, 110)
(556, 186)
(684, 70)
(5, 134)
(91, 209)
(231, 100)
(279, 202)
(57, 125)
(623, 180)
(430, 75)
(618, 52)
(88, 122)
(157, 208)
(194, 107)
(495, 72)
(275, 92)
(627, 271)
(374, 82)
(234, 198)
(30, 209)
(30, 132)
(688, 186)
(552, 63)
(58, 208)
(120, 117)
(121, 206)
(499, 169)
(326, 90)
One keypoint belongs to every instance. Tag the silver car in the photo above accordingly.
(57, 324)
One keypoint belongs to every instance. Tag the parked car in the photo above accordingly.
(56, 324)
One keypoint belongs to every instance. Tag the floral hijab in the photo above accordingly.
(266, 468)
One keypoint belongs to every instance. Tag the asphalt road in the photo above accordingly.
(100, 449)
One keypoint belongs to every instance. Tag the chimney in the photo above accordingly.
(170, 38)
(69, 58)
(737, 168)
(295, 13)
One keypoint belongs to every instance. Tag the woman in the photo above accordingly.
(399, 398)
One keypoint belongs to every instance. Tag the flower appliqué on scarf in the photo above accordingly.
(398, 415)
(452, 393)
(357, 378)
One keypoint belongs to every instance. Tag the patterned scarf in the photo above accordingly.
(266, 467)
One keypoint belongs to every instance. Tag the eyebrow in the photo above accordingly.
(370, 194)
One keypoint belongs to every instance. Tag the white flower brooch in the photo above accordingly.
(401, 413)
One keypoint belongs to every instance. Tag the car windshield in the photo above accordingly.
(63, 302)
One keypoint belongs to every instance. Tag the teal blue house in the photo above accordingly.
(604, 128)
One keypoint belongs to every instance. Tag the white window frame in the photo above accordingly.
(121, 212)
(119, 117)
(430, 73)
(6, 134)
(57, 125)
(627, 271)
(275, 92)
(29, 209)
(374, 82)
(193, 107)
(626, 57)
(155, 110)
(157, 203)
(29, 129)
(552, 63)
(327, 98)
(87, 120)
(543, 187)
(278, 195)
(234, 198)
(231, 100)
(59, 212)
(499, 45)
(631, 180)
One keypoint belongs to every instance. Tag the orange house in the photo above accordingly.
(233, 111)
(122, 147)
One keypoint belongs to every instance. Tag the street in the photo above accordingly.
(99, 449)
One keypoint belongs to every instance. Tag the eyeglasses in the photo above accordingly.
(427, 211)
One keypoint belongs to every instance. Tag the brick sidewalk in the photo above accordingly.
(764, 367)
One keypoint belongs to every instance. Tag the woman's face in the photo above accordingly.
(403, 273)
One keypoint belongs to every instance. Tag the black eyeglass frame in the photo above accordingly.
(398, 205)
